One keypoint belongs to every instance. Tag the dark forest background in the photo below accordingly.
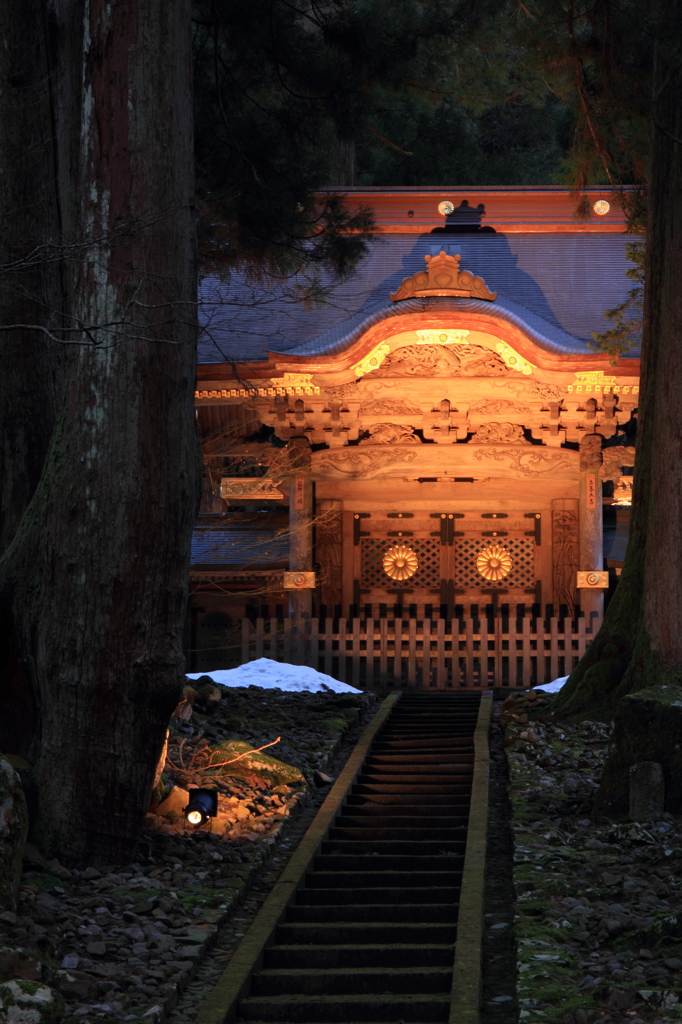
(292, 97)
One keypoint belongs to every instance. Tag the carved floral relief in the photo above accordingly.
(534, 389)
(435, 361)
(341, 392)
(613, 459)
(500, 407)
(533, 462)
(590, 453)
(357, 462)
(329, 549)
(390, 433)
(499, 433)
(565, 545)
(390, 407)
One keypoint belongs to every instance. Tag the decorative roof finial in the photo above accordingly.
(443, 277)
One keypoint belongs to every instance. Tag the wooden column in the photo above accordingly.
(591, 527)
(301, 542)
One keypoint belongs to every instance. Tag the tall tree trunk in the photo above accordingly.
(98, 567)
(31, 292)
(640, 642)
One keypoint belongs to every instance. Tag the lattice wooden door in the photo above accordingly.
(443, 559)
(398, 558)
(498, 554)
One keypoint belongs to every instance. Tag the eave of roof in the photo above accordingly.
(533, 209)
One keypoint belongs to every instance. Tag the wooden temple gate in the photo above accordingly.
(446, 457)
(494, 650)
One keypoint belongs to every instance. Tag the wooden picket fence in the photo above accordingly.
(465, 652)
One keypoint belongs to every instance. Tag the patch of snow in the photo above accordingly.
(552, 687)
(273, 675)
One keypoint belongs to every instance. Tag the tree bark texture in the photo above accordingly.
(640, 643)
(97, 570)
(662, 621)
(31, 292)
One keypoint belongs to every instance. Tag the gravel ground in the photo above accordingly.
(598, 902)
(124, 942)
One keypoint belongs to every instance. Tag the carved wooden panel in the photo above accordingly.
(565, 550)
(329, 552)
(438, 361)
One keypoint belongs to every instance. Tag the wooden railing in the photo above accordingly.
(465, 652)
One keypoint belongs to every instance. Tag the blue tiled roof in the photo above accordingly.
(238, 547)
(556, 287)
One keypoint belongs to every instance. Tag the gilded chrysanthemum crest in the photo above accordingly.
(400, 562)
(494, 562)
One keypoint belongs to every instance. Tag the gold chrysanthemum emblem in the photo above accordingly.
(494, 562)
(400, 562)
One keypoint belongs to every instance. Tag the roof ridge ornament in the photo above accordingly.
(443, 277)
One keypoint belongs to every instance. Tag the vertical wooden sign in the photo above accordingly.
(299, 493)
(591, 496)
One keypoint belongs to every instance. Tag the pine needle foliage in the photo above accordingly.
(420, 89)
(626, 333)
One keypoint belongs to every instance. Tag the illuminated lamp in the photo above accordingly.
(203, 804)
(601, 207)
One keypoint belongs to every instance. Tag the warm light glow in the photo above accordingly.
(601, 207)
(195, 817)
(446, 208)
(622, 492)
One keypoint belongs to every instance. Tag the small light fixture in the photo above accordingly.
(601, 207)
(203, 804)
(410, 213)
(446, 208)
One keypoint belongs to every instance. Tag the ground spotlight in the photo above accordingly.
(203, 804)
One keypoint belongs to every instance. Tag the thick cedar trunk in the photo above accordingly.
(663, 562)
(98, 568)
(31, 374)
(640, 643)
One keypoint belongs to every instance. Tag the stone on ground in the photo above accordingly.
(15, 963)
(27, 1002)
(176, 801)
(647, 727)
(647, 791)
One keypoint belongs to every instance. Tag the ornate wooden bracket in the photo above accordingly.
(443, 277)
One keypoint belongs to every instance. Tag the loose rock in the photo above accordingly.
(25, 1002)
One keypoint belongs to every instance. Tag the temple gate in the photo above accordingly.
(445, 465)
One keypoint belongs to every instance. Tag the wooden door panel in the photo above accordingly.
(453, 553)
(382, 533)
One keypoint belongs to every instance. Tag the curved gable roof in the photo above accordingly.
(554, 286)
